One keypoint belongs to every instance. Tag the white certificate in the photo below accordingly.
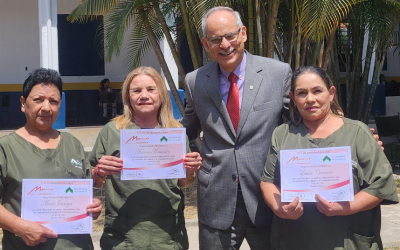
(323, 171)
(153, 153)
(59, 204)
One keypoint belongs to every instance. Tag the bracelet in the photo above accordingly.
(97, 176)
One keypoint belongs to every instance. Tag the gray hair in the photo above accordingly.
(219, 8)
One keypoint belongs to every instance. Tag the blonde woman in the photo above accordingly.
(145, 214)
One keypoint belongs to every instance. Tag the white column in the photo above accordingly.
(48, 34)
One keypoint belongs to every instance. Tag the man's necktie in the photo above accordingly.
(233, 101)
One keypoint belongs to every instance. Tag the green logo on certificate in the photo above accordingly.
(326, 158)
(69, 190)
(164, 139)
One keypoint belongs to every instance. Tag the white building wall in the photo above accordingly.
(19, 40)
(20, 48)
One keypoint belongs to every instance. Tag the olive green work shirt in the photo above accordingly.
(372, 173)
(20, 159)
(140, 214)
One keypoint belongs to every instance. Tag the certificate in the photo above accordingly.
(153, 153)
(59, 204)
(323, 171)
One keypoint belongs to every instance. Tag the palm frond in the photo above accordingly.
(197, 9)
(117, 22)
(139, 43)
(318, 18)
(381, 19)
(88, 10)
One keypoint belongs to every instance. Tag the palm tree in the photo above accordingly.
(377, 21)
(147, 32)
(192, 41)
(297, 31)
(383, 19)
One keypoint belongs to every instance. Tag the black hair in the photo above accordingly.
(102, 88)
(42, 76)
(294, 113)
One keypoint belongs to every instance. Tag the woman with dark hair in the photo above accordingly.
(37, 151)
(104, 88)
(317, 122)
(141, 214)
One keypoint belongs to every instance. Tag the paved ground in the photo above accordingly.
(389, 233)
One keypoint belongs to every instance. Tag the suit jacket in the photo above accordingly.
(227, 155)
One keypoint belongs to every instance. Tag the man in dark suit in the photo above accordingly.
(237, 114)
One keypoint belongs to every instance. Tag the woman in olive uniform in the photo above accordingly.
(141, 214)
(318, 122)
(38, 151)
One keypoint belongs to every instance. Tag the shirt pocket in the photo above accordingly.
(358, 242)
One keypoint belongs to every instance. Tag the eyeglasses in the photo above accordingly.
(230, 37)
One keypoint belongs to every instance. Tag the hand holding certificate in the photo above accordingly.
(323, 171)
(58, 204)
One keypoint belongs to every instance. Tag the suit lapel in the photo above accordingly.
(252, 83)
(214, 91)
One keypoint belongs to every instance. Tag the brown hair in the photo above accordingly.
(334, 108)
(165, 116)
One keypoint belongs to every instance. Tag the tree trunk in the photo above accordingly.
(358, 46)
(321, 53)
(349, 74)
(334, 71)
(250, 33)
(303, 52)
(380, 58)
(364, 83)
(273, 7)
(259, 33)
(328, 49)
(170, 41)
(188, 31)
(163, 63)
(298, 46)
(196, 45)
(315, 50)
(292, 32)
(349, 83)
(264, 30)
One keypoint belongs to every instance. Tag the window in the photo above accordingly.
(80, 53)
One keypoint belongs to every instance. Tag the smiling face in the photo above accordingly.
(228, 54)
(144, 97)
(312, 97)
(42, 106)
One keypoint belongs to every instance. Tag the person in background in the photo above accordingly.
(382, 79)
(317, 122)
(37, 151)
(141, 214)
(104, 88)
